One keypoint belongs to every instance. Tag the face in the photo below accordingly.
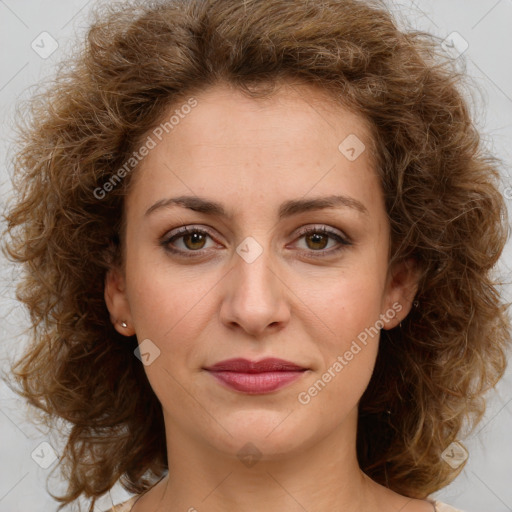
(272, 275)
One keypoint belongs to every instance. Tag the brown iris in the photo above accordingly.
(194, 238)
(318, 239)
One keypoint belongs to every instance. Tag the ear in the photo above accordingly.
(117, 302)
(401, 287)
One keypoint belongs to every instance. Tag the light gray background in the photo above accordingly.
(486, 482)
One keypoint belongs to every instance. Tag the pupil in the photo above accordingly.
(317, 239)
(196, 238)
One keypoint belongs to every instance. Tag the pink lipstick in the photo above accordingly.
(256, 377)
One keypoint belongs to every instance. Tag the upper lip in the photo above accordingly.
(270, 364)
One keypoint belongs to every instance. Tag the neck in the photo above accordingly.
(322, 474)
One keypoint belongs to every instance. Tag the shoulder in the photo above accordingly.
(443, 507)
(123, 507)
(127, 505)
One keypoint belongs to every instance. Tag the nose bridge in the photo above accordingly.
(255, 297)
(254, 271)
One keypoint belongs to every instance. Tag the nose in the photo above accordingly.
(255, 296)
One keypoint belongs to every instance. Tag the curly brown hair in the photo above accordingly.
(440, 187)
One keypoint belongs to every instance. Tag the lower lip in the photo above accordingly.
(264, 382)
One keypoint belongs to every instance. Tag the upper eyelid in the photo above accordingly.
(321, 227)
(183, 230)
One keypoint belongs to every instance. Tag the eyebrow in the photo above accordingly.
(287, 209)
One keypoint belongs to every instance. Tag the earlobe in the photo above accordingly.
(402, 287)
(117, 302)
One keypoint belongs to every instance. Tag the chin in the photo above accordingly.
(271, 435)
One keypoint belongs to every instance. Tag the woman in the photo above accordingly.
(259, 239)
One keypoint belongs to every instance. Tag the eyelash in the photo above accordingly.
(322, 253)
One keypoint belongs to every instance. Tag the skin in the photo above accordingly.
(252, 155)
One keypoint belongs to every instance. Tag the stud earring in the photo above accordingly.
(124, 324)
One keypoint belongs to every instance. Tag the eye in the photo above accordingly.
(317, 239)
(191, 239)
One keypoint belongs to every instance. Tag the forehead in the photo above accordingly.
(289, 143)
(293, 113)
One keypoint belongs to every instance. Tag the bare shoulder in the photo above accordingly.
(443, 507)
(126, 506)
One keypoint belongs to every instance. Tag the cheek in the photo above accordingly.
(347, 303)
(172, 308)
(348, 358)
(350, 314)
(164, 298)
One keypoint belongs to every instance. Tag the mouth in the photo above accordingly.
(256, 377)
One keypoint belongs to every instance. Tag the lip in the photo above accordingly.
(269, 364)
(256, 377)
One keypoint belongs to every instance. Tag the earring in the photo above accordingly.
(124, 324)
